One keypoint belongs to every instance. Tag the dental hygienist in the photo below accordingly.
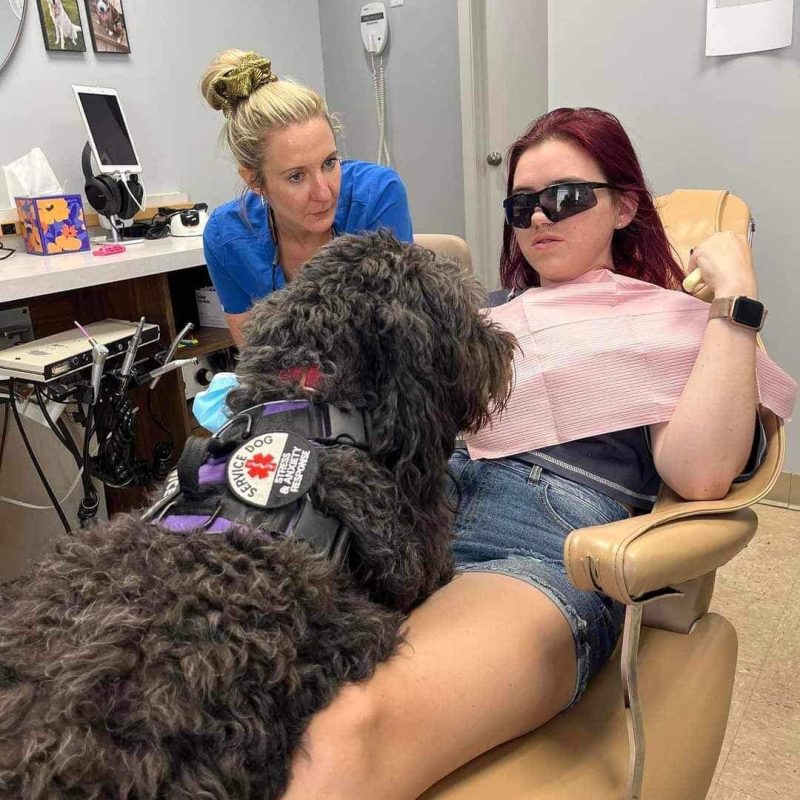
(299, 194)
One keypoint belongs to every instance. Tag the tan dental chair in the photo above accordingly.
(652, 722)
(444, 244)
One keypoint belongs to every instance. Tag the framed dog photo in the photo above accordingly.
(107, 26)
(61, 25)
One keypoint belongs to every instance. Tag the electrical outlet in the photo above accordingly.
(8, 229)
(393, 3)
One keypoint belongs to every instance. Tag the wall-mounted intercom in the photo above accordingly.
(374, 27)
(374, 34)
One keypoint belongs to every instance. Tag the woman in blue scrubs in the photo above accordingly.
(299, 195)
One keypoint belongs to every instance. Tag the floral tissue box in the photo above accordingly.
(53, 224)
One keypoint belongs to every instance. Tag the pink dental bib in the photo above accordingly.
(599, 354)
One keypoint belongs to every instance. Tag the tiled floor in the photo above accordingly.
(758, 592)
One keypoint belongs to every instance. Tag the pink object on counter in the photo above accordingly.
(109, 249)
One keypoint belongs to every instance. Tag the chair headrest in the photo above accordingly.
(691, 215)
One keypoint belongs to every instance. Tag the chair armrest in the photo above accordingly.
(680, 540)
(641, 557)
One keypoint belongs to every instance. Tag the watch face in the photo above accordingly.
(748, 312)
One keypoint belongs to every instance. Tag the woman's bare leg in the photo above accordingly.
(487, 658)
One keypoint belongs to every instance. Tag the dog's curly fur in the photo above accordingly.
(137, 664)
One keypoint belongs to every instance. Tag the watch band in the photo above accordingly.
(721, 308)
(730, 308)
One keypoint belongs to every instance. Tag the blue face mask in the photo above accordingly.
(209, 407)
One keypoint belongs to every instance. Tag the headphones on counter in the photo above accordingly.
(111, 197)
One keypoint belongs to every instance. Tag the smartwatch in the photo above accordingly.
(740, 310)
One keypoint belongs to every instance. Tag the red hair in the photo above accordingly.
(640, 250)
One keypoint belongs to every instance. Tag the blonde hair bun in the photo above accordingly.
(233, 76)
(256, 103)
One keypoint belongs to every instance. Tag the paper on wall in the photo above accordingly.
(747, 26)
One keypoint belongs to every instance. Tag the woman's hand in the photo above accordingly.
(726, 265)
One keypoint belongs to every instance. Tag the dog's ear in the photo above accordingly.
(411, 429)
(442, 367)
(474, 354)
(486, 376)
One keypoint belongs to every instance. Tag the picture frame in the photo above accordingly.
(62, 27)
(107, 26)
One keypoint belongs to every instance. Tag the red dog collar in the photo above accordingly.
(309, 378)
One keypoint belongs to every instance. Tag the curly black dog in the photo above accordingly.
(137, 663)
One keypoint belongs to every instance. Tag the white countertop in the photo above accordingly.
(23, 275)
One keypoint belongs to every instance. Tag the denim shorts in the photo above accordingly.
(513, 519)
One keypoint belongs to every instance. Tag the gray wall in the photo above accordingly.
(423, 106)
(174, 131)
(727, 122)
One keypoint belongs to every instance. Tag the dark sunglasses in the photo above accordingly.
(559, 201)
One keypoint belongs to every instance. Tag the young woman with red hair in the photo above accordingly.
(510, 642)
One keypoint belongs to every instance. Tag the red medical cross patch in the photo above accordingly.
(260, 466)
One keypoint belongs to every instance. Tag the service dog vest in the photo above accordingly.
(256, 473)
